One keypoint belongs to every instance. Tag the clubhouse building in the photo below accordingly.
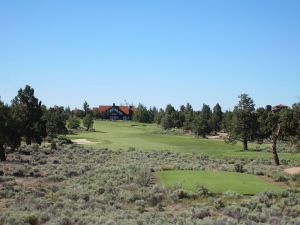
(113, 112)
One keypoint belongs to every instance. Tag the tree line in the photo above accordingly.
(27, 120)
(245, 123)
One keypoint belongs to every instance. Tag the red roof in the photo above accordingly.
(125, 109)
(104, 108)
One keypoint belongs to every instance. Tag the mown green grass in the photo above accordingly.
(124, 134)
(216, 181)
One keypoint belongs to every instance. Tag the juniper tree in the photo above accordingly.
(227, 121)
(27, 111)
(216, 119)
(283, 126)
(170, 118)
(9, 137)
(188, 117)
(243, 121)
(277, 124)
(86, 108)
(202, 121)
(73, 122)
(55, 119)
(88, 121)
(141, 114)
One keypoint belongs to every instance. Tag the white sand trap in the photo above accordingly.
(84, 142)
(214, 137)
(292, 171)
(219, 136)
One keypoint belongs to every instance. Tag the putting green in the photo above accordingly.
(216, 181)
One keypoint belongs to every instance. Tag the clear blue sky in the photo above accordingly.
(154, 52)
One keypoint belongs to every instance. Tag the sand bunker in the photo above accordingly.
(219, 136)
(292, 171)
(84, 142)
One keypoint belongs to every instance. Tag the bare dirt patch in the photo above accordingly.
(153, 180)
(293, 170)
(84, 142)
(176, 209)
(29, 184)
(270, 180)
(5, 203)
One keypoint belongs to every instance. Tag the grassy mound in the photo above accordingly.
(217, 181)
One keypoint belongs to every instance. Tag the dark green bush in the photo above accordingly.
(296, 177)
(200, 212)
(143, 176)
(236, 212)
(202, 191)
(32, 219)
(53, 145)
(218, 203)
(239, 168)
(155, 199)
(180, 193)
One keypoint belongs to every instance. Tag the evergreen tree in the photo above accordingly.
(202, 121)
(167, 122)
(27, 111)
(170, 118)
(141, 114)
(181, 116)
(264, 119)
(216, 119)
(244, 120)
(55, 119)
(68, 113)
(88, 121)
(73, 122)
(227, 121)
(283, 126)
(86, 108)
(153, 113)
(158, 116)
(188, 117)
(197, 125)
(9, 137)
(78, 113)
(296, 118)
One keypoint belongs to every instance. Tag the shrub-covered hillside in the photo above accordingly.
(77, 185)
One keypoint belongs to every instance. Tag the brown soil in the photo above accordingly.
(270, 180)
(293, 170)
(176, 208)
(29, 184)
(153, 180)
(5, 203)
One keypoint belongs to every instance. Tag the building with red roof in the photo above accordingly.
(114, 112)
